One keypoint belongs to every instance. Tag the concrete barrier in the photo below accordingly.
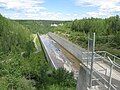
(82, 80)
(45, 52)
(72, 48)
(77, 52)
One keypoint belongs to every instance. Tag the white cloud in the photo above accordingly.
(20, 4)
(103, 7)
(109, 3)
(98, 14)
(23, 6)
(34, 9)
(45, 15)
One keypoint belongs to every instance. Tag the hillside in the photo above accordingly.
(14, 40)
(22, 66)
(12, 35)
(41, 26)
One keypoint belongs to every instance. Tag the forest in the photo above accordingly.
(41, 26)
(22, 65)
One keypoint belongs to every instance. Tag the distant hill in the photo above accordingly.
(43, 21)
(41, 26)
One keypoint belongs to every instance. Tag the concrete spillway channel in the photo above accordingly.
(101, 69)
(59, 57)
(63, 53)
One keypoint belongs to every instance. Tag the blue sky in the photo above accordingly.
(59, 9)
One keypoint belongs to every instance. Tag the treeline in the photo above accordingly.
(41, 26)
(102, 27)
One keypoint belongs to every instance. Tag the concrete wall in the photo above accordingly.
(82, 80)
(77, 52)
(72, 48)
(44, 50)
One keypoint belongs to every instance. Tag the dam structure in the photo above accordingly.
(93, 70)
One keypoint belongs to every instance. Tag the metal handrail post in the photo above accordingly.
(110, 77)
(92, 60)
(114, 59)
(88, 52)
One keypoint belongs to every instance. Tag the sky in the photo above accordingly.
(59, 9)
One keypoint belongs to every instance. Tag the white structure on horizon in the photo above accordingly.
(55, 25)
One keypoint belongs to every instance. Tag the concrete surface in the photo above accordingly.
(59, 57)
(98, 66)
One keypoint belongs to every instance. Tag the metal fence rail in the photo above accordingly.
(105, 57)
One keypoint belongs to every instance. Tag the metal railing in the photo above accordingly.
(105, 55)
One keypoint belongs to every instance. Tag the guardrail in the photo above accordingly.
(105, 55)
(102, 55)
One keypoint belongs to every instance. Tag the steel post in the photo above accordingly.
(110, 77)
(88, 52)
(92, 60)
